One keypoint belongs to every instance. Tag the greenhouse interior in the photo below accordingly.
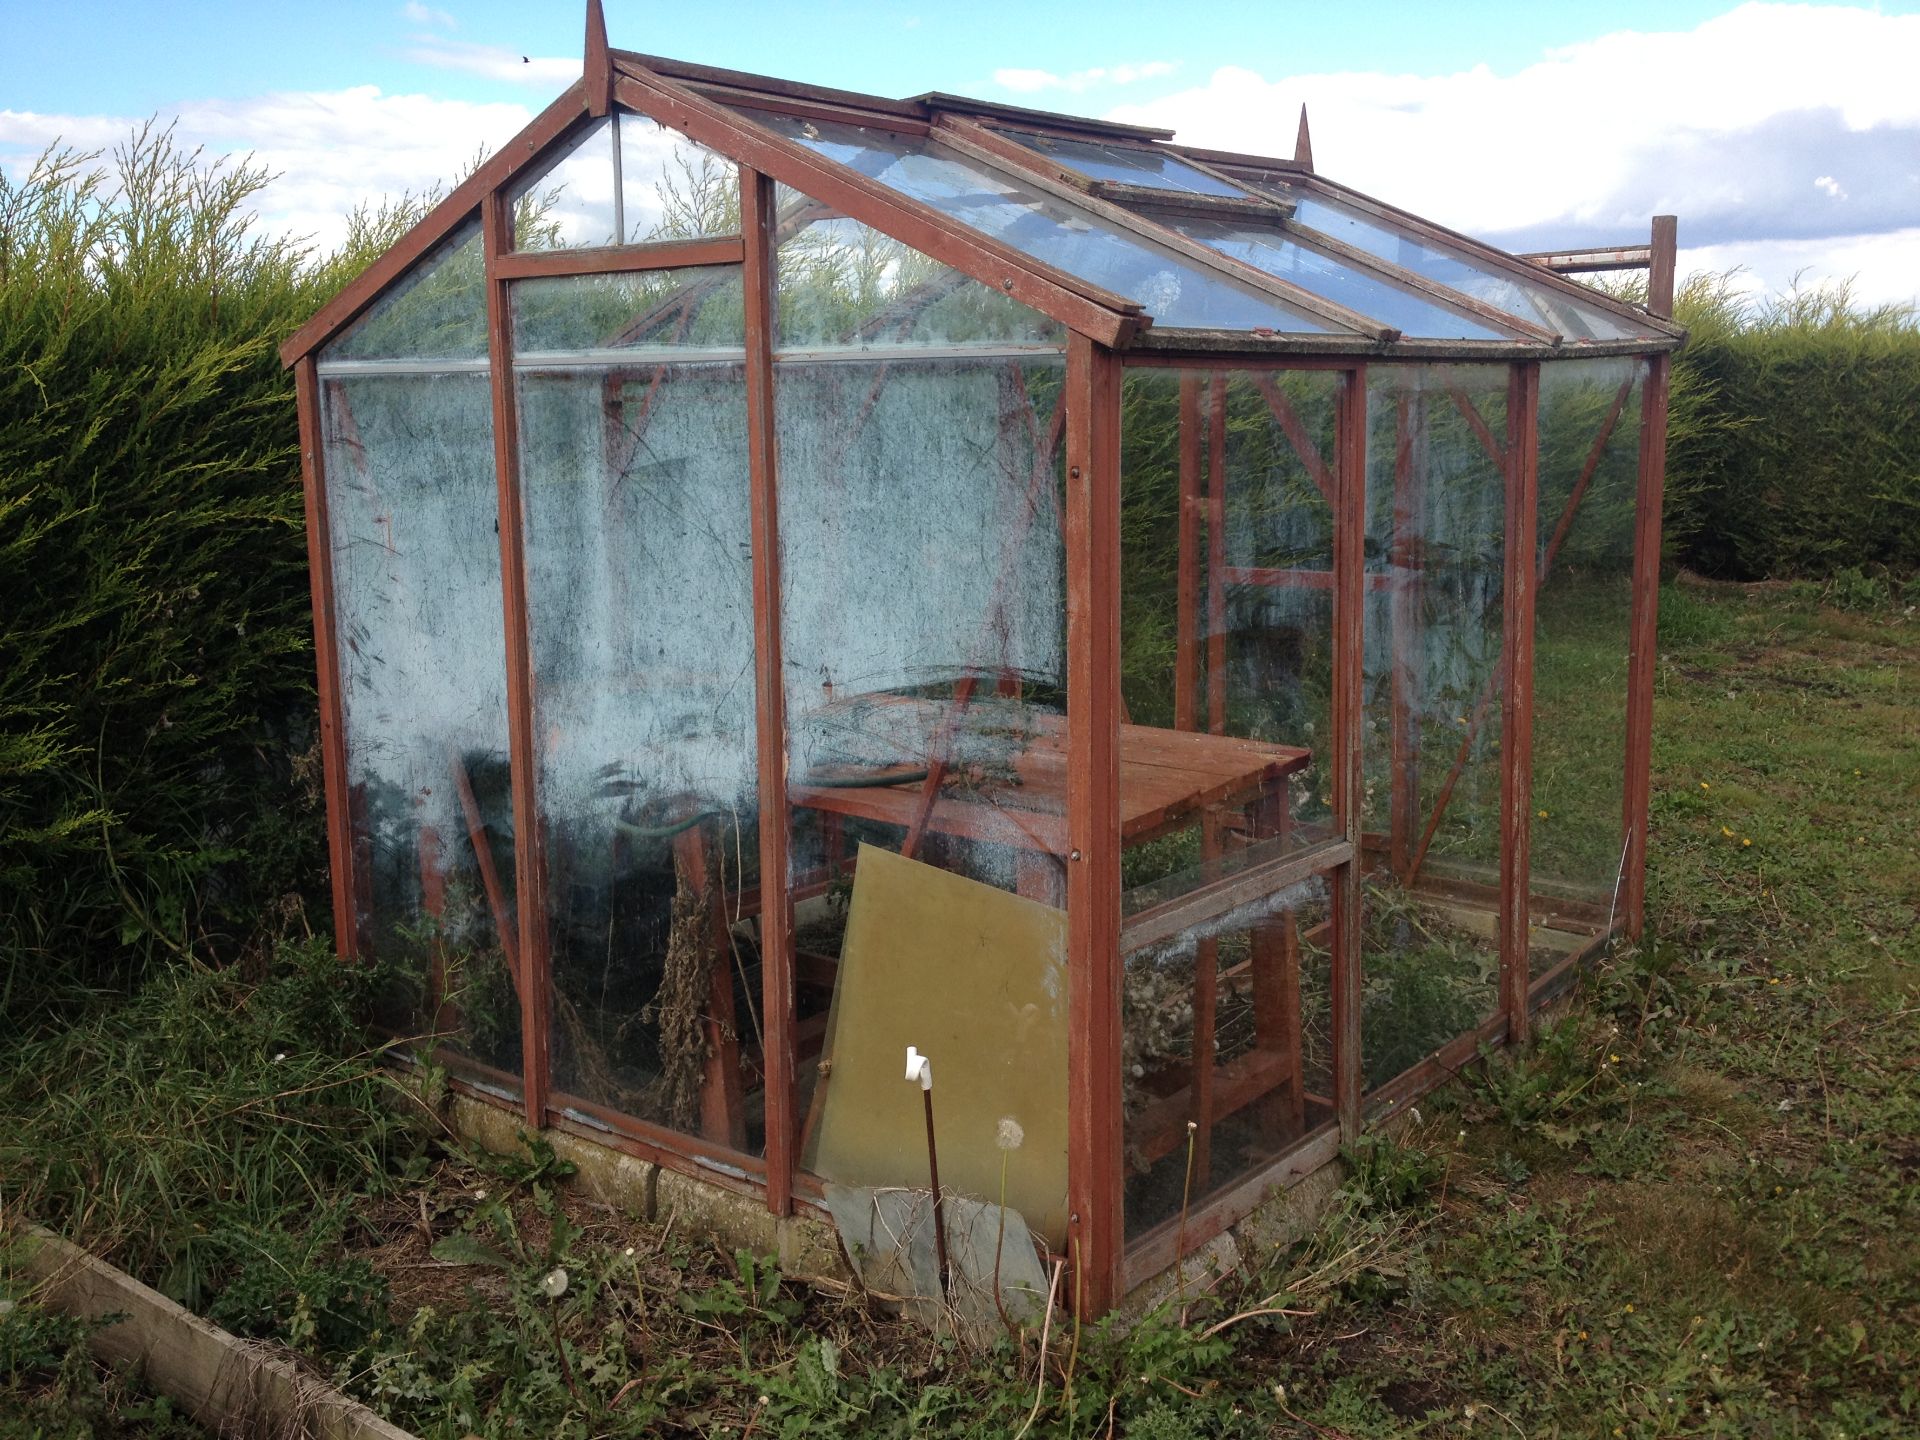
(799, 575)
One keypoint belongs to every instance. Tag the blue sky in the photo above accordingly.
(1787, 137)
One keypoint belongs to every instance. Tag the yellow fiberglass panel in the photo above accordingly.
(974, 978)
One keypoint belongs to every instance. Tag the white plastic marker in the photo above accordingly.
(920, 1069)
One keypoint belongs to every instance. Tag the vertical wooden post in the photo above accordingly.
(529, 848)
(1663, 257)
(1096, 1222)
(1349, 658)
(1187, 602)
(1641, 653)
(1516, 720)
(776, 892)
(326, 658)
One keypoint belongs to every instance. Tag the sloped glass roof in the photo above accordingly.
(1175, 291)
(1126, 165)
(1539, 304)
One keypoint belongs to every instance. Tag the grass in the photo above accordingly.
(1689, 1210)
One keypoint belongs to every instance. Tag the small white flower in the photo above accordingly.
(629, 1252)
(554, 1284)
(479, 1194)
(281, 1056)
(1008, 1135)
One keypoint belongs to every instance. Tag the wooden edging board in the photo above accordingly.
(227, 1384)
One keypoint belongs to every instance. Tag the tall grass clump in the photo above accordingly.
(213, 1135)
(1795, 447)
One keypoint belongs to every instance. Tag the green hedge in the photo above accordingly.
(158, 790)
(1795, 449)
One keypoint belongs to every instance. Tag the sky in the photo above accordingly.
(1786, 137)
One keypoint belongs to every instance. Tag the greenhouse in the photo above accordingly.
(799, 575)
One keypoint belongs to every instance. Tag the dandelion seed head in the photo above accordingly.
(1008, 1134)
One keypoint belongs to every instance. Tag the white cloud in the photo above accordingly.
(1030, 82)
(426, 15)
(330, 150)
(1727, 125)
(1879, 269)
(494, 62)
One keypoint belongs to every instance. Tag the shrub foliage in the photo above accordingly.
(1795, 446)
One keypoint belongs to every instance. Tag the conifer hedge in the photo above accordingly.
(1795, 448)
(156, 775)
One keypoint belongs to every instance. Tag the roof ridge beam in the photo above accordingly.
(980, 143)
(524, 149)
(1106, 317)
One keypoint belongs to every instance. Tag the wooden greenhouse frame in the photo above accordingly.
(769, 130)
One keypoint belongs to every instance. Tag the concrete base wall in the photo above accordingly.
(805, 1244)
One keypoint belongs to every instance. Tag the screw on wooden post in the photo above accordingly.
(920, 1068)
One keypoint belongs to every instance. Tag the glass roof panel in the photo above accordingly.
(1177, 294)
(1128, 166)
(642, 182)
(1271, 249)
(1540, 304)
(843, 284)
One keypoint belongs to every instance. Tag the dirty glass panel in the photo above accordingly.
(845, 285)
(416, 571)
(1436, 547)
(1127, 165)
(1589, 478)
(1250, 992)
(634, 184)
(1537, 303)
(1269, 248)
(680, 314)
(924, 626)
(1227, 681)
(1174, 292)
(640, 613)
(436, 311)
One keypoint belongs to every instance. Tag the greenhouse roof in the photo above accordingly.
(1111, 229)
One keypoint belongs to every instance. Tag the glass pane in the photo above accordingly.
(1252, 991)
(1538, 304)
(671, 188)
(640, 612)
(412, 505)
(1227, 681)
(1129, 166)
(571, 201)
(1589, 478)
(1271, 249)
(596, 319)
(923, 619)
(1174, 292)
(844, 284)
(641, 183)
(1436, 547)
(436, 311)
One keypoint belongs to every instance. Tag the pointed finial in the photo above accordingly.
(598, 67)
(1303, 142)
